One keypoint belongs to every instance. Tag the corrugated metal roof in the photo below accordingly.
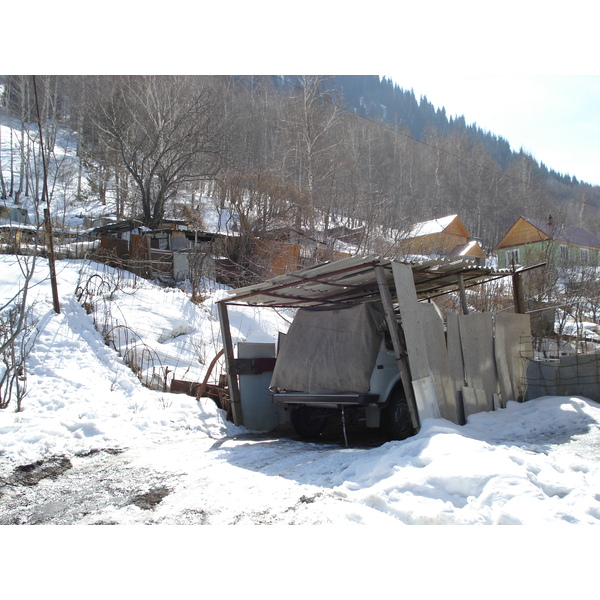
(353, 280)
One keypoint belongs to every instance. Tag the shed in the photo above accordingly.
(450, 373)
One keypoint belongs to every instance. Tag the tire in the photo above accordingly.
(396, 421)
(309, 421)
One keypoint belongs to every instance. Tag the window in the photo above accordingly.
(584, 255)
(512, 256)
(564, 252)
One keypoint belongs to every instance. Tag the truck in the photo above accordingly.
(341, 361)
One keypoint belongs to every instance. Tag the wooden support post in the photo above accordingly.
(463, 296)
(518, 295)
(232, 380)
(397, 336)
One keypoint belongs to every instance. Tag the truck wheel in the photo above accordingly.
(309, 421)
(396, 421)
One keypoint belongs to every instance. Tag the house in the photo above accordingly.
(11, 215)
(445, 237)
(163, 251)
(16, 228)
(533, 241)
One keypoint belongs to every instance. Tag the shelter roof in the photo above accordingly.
(353, 280)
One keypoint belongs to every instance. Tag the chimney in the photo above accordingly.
(551, 221)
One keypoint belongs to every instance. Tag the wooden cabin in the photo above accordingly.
(442, 237)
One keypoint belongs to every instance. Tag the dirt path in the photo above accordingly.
(246, 480)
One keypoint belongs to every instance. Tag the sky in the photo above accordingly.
(554, 118)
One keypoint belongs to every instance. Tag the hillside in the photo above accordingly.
(384, 101)
(93, 446)
(310, 152)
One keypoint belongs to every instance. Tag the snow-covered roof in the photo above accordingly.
(466, 249)
(430, 227)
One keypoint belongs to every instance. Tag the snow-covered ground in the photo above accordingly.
(534, 463)
(111, 451)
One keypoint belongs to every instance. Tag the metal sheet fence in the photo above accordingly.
(577, 375)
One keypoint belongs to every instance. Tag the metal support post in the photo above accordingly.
(232, 380)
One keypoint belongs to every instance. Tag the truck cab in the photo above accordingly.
(317, 376)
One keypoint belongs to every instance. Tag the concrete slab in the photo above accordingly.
(477, 343)
(512, 347)
(475, 400)
(571, 376)
(437, 354)
(414, 333)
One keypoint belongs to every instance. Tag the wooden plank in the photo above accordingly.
(456, 364)
(518, 294)
(463, 297)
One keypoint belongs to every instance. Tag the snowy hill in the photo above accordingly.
(532, 463)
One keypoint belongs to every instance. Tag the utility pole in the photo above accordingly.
(47, 220)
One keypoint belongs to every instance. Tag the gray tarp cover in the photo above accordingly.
(330, 351)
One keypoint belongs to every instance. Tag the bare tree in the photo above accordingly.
(18, 332)
(167, 133)
(313, 121)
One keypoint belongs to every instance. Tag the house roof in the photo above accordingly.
(546, 231)
(430, 227)
(568, 235)
(471, 248)
(117, 227)
(353, 281)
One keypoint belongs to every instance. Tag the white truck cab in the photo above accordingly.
(323, 342)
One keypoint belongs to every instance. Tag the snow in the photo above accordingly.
(430, 227)
(535, 463)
